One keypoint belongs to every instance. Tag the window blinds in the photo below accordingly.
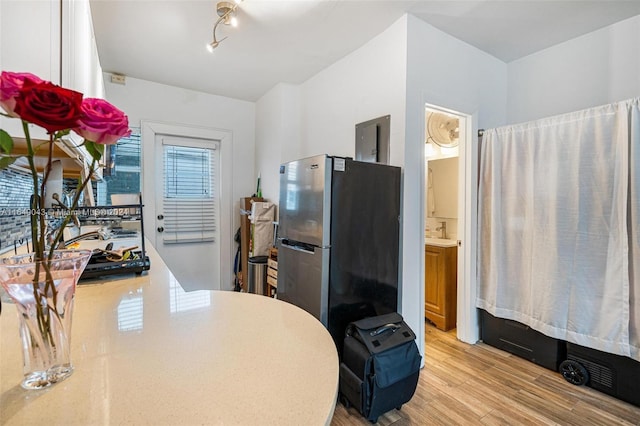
(189, 196)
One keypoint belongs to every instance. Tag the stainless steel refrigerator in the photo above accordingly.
(338, 239)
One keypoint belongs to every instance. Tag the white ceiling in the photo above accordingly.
(290, 41)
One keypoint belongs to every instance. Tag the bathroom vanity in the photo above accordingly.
(440, 282)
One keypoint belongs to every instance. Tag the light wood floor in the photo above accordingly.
(465, 384)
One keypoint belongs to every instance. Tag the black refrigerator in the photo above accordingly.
(338, 239)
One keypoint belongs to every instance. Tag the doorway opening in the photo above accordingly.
(444, 220)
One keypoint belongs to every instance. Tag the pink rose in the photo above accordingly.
(10, 85)
(101, 122)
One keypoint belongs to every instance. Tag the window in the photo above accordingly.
(124, 174)
(189, 199)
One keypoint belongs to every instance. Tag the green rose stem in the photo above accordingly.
(34, 197)
(41, 212)
(38, 221)
(44, 323)
(74, 204)
(58, 237)
(49, 285)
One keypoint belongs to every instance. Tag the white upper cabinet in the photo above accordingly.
(30, 37)
(54, 40)
(80, 66)
(81, 69)
(30, 42)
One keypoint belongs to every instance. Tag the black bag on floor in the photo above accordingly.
(380, 365)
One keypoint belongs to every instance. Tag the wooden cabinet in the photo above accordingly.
(440, 285)
(272, 272)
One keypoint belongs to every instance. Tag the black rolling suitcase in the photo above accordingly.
(380, 365)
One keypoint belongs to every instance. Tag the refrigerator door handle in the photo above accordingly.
(285, 244)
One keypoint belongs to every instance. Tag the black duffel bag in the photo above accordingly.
(380, 365)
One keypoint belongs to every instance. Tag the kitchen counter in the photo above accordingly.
(147, 352)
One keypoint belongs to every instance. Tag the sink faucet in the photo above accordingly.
(443, 229)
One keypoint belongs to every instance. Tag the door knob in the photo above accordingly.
(160, 217)
(160, 229)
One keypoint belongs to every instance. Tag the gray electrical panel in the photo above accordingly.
(372, 140)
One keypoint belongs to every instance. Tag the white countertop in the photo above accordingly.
(440, 242)
(146, 352)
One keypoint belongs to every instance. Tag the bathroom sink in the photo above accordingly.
(440, 242)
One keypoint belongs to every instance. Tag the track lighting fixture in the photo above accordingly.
(226, 15)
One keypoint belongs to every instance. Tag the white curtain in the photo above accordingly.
(558, 226)
(634, 227)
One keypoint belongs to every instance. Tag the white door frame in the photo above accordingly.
(149, 131)
(467, 319)
(468, 329)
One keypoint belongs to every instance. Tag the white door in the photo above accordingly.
(187, 207)
(182, 181)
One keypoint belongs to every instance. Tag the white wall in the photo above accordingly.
(277, 135)
(144, 100)
(368, 83)
(598, 68)
(446, 72)
(394, 73)
(319, 116)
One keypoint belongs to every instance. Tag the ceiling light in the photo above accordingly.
(224, 8)
(212, 45)
(226, 14)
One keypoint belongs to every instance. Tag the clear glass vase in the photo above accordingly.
(43, 294)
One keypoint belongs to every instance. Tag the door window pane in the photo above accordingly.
(189, 199)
